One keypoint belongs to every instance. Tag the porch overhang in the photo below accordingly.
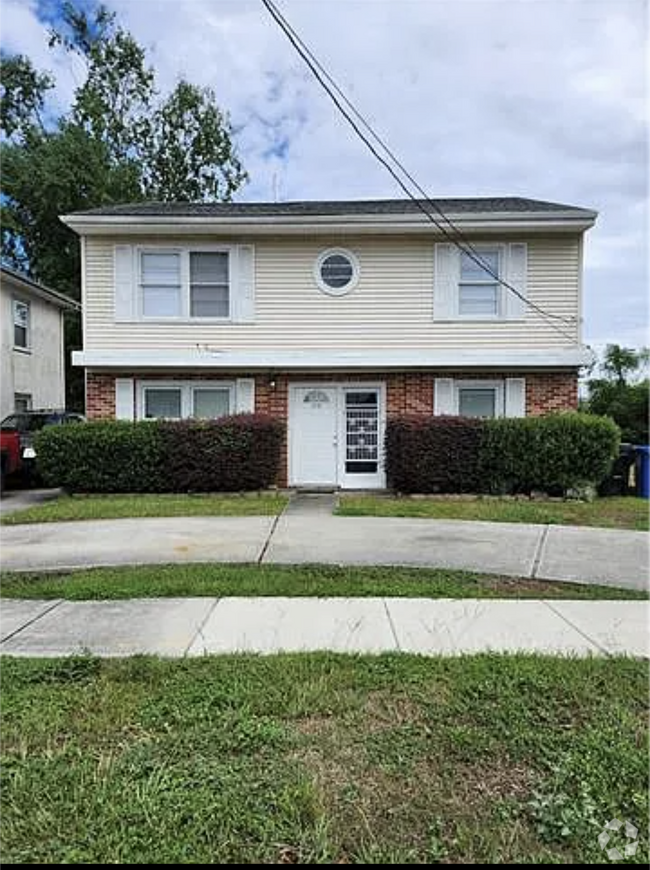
(205, 357)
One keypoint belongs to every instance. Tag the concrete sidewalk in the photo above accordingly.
(582, 555)
(178, 627)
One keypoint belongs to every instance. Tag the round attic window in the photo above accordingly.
(336, 271)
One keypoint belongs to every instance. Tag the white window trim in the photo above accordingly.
(499, 388)
(184, 252)
(27, 347)
(486, 248)
(352, 283)
(187, 389)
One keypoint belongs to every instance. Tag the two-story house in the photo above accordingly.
(333, 316)
(32, 361)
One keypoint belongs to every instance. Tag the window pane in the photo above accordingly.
(471, 271)
(22, 401)
(209, 404)
(21, 313)
(336, 271)
(163, 402)
(21, 323)
(162, 301)
(361, 398)
(20, 336)
(477, 403)
(478, 299)
(209, 300)
(161, 269)
(209, 268)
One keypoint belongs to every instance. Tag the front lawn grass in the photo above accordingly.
(159, 581)
(110, 507)
(321, 758)
(610, 513)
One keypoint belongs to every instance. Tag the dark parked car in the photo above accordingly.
(25, 424)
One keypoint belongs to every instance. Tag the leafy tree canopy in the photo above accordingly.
(120, 140)
(623, 392)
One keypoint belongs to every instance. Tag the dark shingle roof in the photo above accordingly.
(315, 208)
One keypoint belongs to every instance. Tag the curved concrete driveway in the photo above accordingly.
(582, 555)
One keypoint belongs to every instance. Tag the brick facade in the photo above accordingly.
(406, 392)
(100, 396)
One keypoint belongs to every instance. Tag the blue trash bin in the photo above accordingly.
(643, 470)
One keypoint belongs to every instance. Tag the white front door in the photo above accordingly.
(336, 434)
(314, 418)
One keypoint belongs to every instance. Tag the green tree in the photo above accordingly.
(119, 141)
(623, 393)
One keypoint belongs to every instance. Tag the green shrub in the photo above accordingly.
(554, 453)
(235, 453)
(102, 456)
(433, 454)
(231, 454)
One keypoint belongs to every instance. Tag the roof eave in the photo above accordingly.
(85, 224)
(28, 286)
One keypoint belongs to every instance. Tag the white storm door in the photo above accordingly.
(361, 459)
(314, 419)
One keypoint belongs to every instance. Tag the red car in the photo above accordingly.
(17, 439)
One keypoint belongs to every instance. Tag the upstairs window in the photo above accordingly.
(209, 285)
(467, 290)
(336, 271)
(478, 290)
(161, 285)
(21, 324)
(185, 284)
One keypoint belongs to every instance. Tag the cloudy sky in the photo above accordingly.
(538, 98)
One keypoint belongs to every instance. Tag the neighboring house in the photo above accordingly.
(333, 316)
(32, 365)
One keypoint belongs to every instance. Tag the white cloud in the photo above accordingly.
(539, 98)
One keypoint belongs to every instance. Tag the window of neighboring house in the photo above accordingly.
(192, 284)
(478, 291)
(22, 402)
(177, 401)
(21, 324)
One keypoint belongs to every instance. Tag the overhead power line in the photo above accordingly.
(444, 224)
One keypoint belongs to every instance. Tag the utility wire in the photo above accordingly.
(451, 231)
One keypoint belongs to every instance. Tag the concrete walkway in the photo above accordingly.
(197, 626)
(19, 499)
(307, 533)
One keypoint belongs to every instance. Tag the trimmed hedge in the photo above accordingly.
(225, 455)
(433, 454)
(102, 456)
(231, 454)
(556, 453)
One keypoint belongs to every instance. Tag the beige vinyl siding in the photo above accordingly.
(391, 306)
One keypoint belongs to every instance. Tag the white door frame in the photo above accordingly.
(344, 481)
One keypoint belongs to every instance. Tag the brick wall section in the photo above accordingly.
(406, 392)
(551, 392)
(100, 396)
